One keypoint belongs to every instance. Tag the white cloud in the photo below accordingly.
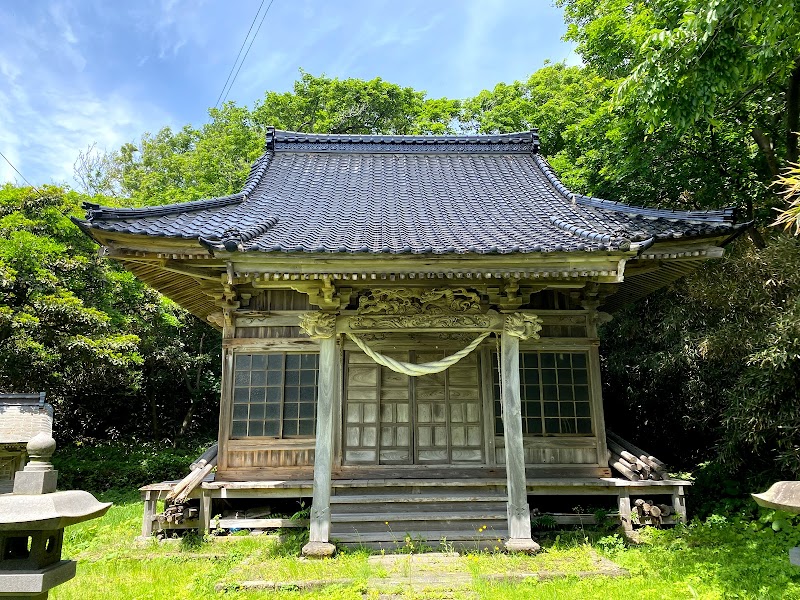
(45, 135)
(49, 109)
(61, 20)
(175, 24)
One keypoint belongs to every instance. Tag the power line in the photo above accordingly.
(244, 41)
(21, 175)
(253, 39)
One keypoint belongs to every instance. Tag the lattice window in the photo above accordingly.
(275, 395)
(554, 389)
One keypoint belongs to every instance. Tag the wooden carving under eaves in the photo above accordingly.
(403, 301)
(401, 308)
(318, 325)
(524, 326)
(324, 294)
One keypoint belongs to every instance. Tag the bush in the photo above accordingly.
(117, 465)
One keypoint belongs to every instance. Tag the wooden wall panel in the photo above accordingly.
(267, 457)
(541, 454)
(280, 300)
(270, 333)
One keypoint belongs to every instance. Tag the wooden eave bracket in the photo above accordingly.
(324, 294)
(174, 266)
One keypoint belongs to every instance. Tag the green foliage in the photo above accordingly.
(214, 160)
(714, 362)
(543, 521)
(789, 187)
(105, 466)
(706, 101)
(354, 106)
(105, 348)
(701, 58)
(611, 544)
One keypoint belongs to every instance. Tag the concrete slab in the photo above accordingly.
(437, 573)
(16, 583)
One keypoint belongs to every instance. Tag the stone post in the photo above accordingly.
(517, 326)
(322, 326)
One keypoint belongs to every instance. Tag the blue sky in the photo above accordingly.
(81, 72)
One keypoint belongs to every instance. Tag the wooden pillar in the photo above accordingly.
(519, 517)
(149, 514)
(624, 503)
(679, 504)
(322, 327)
(205, 511)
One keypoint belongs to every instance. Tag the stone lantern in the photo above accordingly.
(32, 522)
(785, 496)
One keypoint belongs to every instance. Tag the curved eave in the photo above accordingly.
(664, 263)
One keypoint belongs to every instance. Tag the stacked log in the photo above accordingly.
(632, 462)
(176, 513)
(199, 470)
(646, 512)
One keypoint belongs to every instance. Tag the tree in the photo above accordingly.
(214, 160)
(706, 93)
(354, 106)
(88, 333)
(701, 63)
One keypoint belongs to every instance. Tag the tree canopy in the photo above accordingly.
(106, 349)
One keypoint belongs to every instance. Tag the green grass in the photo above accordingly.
(713, 560)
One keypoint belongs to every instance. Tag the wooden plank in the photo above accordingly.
(487, 393)
(399, 537)
(397, 517)
(266, 473)
(271, 444)
(225, 408)
(416, 499)
(579, 519)
(270, 458)
(205, 512)
(231, 523)
(679, 503)
(272, 344)
(598, 416)
(624, 504)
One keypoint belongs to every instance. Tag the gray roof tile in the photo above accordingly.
(408, 194)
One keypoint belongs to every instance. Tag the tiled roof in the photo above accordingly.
(409, 194)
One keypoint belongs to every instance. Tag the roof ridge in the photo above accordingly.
(530, 138)
(584, 233)
(725, 215)
(257, 170)
(107, 213)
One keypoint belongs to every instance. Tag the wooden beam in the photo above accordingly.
(244, 523)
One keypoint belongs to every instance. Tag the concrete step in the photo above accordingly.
(431, 537)
(416, 499)
(416, 516)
